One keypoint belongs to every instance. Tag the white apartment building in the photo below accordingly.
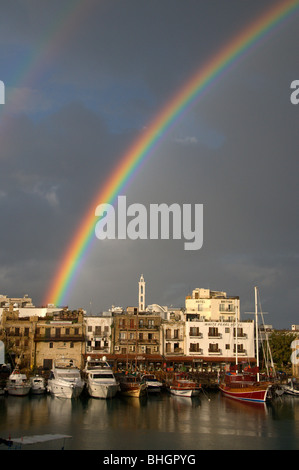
(220, 341)
(208, 305)
(25, 306)
(98, 333)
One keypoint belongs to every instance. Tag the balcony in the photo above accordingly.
(214, 351)
(55, 338)
(175, 338)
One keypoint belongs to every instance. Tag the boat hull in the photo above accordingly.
(63, 390)
(102, 390)
(38, 386)
(291, 391)
(18, 390)
(133, 391)
(250, 394)
(153, 388)
(184, 392)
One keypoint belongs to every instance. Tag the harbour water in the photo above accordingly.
(158, 422)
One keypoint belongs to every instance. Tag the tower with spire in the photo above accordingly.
(141, 294)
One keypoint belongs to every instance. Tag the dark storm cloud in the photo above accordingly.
(64, 130)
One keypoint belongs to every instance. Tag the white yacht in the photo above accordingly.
(65, 379)
(99, 378)
(38, 385)
(18, 384)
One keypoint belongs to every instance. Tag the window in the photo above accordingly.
(194, 331)
(51, 345)
(213, 331)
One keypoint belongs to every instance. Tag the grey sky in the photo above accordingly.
(82, 80)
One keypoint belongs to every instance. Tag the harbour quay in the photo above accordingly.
(203, 338)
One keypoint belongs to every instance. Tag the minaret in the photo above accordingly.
(141, 296)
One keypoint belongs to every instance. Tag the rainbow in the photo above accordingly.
(151, 136)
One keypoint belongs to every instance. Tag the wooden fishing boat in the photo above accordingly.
(182, 386)
(245, 387)
(132, 386)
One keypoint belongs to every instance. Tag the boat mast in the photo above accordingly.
(236, 335)
(256, 336)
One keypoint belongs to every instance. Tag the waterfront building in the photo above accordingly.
(220, 341)
(98, 333)
(173, 334)
(25, 306)
(209, 305)
(61, 334)
(136, 337)
(17, 334)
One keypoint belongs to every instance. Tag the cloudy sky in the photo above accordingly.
(82, 81)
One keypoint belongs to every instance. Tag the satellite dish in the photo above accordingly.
(104, 358)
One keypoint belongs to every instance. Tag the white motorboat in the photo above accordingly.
(99, 378)
(153, 384)
(290, 388)
(38, 385)
(18, 384)
(65, 379)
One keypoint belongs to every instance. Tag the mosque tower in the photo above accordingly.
(141, 295)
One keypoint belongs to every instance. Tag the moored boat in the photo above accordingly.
(65, 379)
(291, 389)
(18, 384)
(182, 386)
(153, 384)
(132, 386)
(245, 387)
(245, 384)
(99, 379)
(38, 385)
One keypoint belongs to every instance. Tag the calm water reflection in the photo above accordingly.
(161, 422)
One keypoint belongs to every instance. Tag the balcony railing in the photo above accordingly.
(65, 338)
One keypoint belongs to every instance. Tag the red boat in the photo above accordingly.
(244, 386)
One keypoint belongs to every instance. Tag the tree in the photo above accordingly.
(280, 344)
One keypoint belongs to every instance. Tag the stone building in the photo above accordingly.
(17, 334)
(136, 337)
(60, 335)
